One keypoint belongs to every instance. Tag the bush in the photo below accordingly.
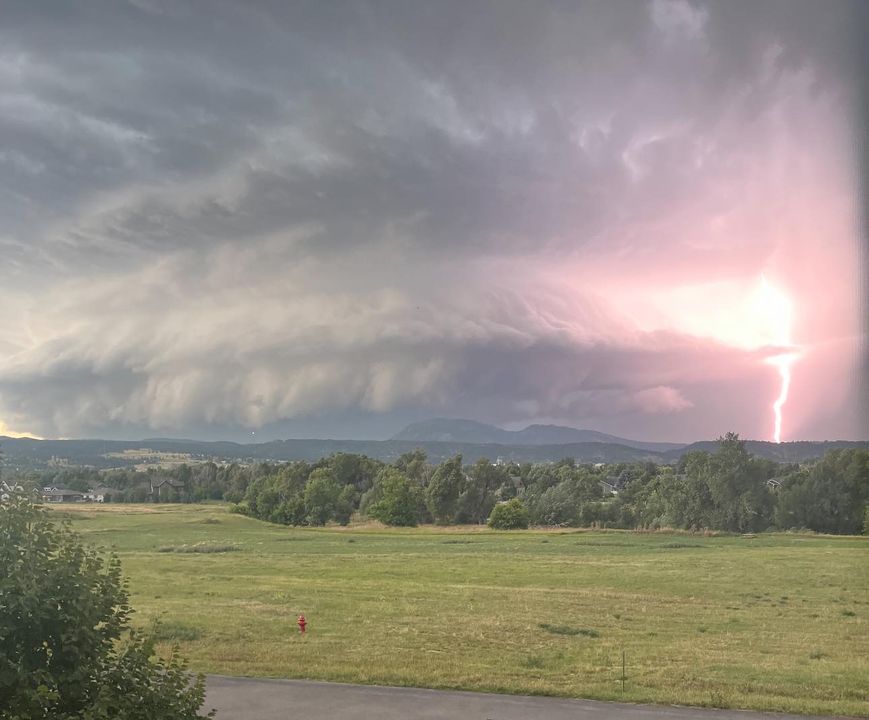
(66, 648)
(510, 515)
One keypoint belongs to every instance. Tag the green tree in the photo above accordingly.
(510, 515)
(831, 496)
(677, 501)
(66, 649)
(741, 501)
(236, 484)
(322, 494)
(278, 495)
(567, 490)
(356, 470)
(557, 505)
(413, 464)
(478, 497)
(346, 503)
(398, 499)
(443, 491)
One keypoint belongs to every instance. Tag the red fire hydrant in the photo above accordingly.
(302, 624)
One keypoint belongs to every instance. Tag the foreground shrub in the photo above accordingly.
(511, 515)
(66, 648)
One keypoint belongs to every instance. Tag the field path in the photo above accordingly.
(266, 699)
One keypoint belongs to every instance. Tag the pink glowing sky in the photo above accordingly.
(303, 223)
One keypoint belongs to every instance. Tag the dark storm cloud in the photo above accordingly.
(412, 99)
(464, 116)
(326, 208)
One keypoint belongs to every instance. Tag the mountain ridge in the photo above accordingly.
(460, 430)
(31, 454)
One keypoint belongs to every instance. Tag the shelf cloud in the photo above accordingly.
(279, 216)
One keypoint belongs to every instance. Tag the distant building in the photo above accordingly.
(608, 487)
(161, 486)
(517, 483)
(61, 495)
(98, 494)
(612, 485)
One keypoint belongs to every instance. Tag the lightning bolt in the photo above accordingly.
(777, 307)
(783, 363)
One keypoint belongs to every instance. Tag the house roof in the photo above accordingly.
(171, 482)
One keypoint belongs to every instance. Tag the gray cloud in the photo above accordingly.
(247, 213)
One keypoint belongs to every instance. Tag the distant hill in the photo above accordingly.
(28, 454)
(469, 431)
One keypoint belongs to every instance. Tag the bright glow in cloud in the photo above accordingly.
(754, 317)
(773, 311)
(9, 432)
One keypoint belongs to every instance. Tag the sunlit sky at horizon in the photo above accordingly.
(332, 219)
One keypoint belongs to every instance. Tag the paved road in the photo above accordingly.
(255, 699)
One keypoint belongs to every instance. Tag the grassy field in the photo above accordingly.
(775, 622)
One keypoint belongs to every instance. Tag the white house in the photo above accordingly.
(97, 494)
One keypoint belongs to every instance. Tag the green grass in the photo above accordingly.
(567, 630)
(774, 622)
(199, 548)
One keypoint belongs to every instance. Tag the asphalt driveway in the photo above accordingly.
(260, 699)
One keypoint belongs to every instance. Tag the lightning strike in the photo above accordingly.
(778, 311)
(783, 363)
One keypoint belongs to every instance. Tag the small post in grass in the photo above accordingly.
(623, 671)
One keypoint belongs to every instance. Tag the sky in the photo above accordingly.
(258, 220)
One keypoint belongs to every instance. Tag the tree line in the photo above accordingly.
(728, 490)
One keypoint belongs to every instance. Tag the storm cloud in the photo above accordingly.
(331, 218)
